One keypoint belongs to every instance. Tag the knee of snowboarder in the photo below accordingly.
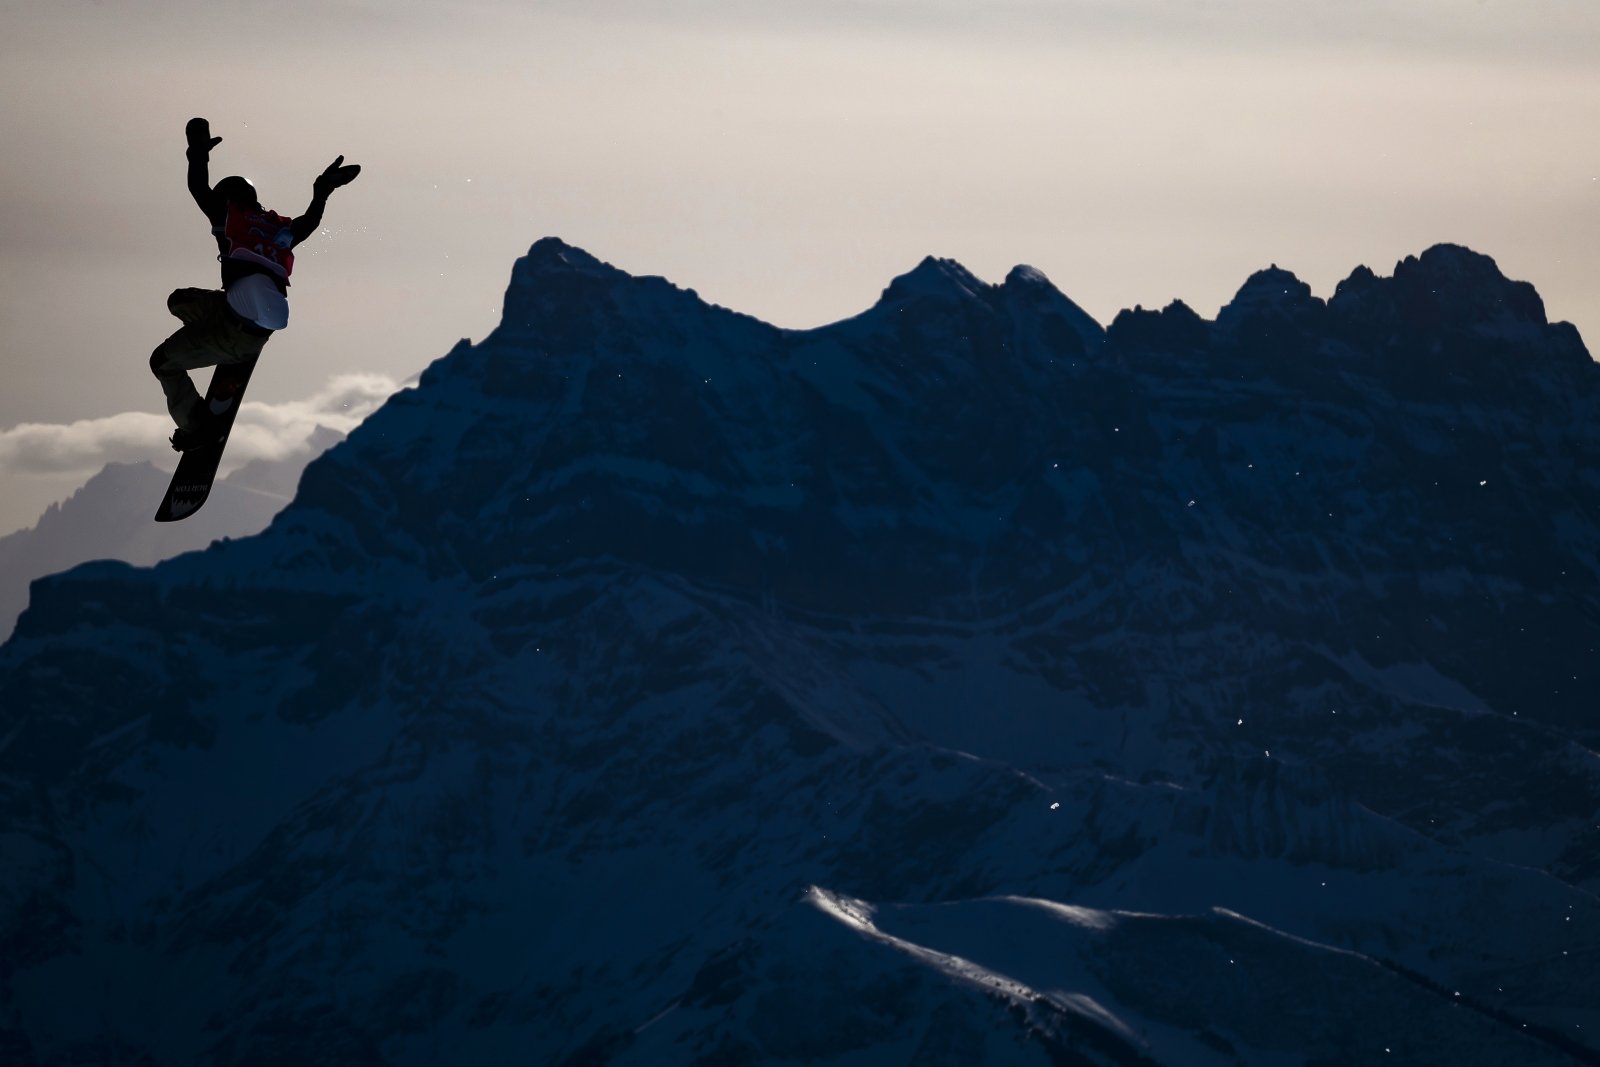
(181, 299)
(157, 360)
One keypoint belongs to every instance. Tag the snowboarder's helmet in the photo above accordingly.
(238, 190)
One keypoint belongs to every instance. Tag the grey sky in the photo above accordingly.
(785, 160)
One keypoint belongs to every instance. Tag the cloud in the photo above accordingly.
(275, 431)
(262, 431)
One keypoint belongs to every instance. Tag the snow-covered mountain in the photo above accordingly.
(959, 683)
(109, 517)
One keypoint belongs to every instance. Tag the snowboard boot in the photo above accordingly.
(204, 429)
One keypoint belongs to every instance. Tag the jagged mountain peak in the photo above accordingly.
(1468, 286)
(1023, 276)
(567, 296)
(1361, 281)
(1448, 288)
(1448, 260)
(551, 263)
(1029, 294)
(940, 279)
(552, 254)
(1174, 328)
(1027, 300)
(1273, 310)
(552, 276)
(1273, 287)
(120, 481)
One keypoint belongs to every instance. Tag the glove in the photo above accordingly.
(334, 176)
(198, 131)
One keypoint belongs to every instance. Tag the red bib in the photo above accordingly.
(260, 237)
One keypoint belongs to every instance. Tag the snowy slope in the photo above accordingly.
(957, 683)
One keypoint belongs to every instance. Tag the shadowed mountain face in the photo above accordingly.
(958, 683)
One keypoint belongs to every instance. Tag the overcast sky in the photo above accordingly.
(785, 160)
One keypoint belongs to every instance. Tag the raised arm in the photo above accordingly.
(335, 175)
(198, 131)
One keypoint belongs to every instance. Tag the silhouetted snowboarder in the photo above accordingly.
(228, 327)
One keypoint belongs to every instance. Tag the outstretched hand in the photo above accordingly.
(336, 174)
(198, 131)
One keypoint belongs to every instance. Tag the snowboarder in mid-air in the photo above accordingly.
(228, 327)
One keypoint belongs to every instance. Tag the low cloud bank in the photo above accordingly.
(262, 431)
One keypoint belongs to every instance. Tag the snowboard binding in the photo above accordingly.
(203, 431)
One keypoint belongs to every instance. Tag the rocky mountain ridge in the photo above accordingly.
(960, 682)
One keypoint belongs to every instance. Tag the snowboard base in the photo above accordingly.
(197, 469)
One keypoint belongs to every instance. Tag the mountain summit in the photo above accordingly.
(957, 683)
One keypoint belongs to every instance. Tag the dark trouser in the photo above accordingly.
(211, 334)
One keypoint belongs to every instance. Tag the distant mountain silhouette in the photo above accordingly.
(109, 517)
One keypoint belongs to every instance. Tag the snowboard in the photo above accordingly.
(197, 469)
